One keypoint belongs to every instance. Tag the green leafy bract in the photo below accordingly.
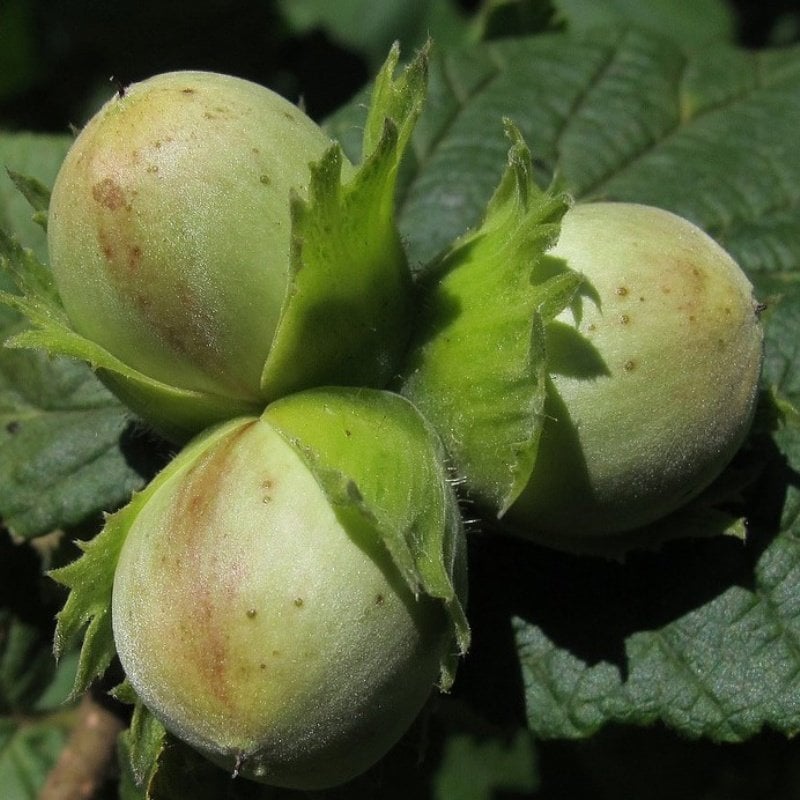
(36, 193)
(348, 305)
(478, 364)
(28, 162)
(141, 746)
(396, 494)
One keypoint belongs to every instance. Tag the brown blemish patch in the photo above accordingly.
(298, 602)
(251, 613)
(199, 490)
(109, 193)
(208, 655)
(265, 180)
(193, 336)
(188, 90)
(379, 600)
(624, 319)
(621, 291)
(203, 595)
(629, 366)
(142, 301)
(106, 245)
(134, 257)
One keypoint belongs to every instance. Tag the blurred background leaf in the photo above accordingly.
(690, 22)
(369, 27)
(34, 722)
(35, 155)
(59, 61)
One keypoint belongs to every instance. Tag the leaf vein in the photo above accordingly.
(682, 124)
(682, 666)
(463, 100)
(581, 98)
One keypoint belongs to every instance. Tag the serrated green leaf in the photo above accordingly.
(477, 365)
(62, 444)
(724, 670)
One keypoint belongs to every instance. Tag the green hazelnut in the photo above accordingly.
(285, 597)
(214, 250)
(590, 368)
(169, 227)
(653, 374)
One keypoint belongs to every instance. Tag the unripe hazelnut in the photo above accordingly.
(258, 612)
(653, 374)
(201, 224)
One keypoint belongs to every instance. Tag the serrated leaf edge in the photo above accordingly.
(329, 206)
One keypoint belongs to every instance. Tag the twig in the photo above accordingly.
(85, 760)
